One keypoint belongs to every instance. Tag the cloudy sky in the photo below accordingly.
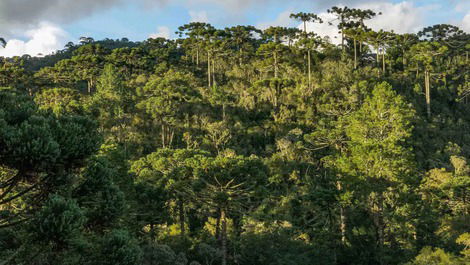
(43, 26)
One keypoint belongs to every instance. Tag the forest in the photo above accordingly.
(240, 146)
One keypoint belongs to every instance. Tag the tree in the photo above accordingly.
(312, 18)
(37, 150)
(378, 155)
(379, 41)
(173, 172)
(101, 199)
(118, 248)
(343, 16)
(196, 32)
(59, 221)
(231, 183)
(61, 101)
(3, 43)
(168, 99)
(274, 49)
(88, 61)
(244, 39)
(112, 103)
(426, 56)
(200, 149)
(357, 29)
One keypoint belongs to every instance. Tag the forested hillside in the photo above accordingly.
(240, 146)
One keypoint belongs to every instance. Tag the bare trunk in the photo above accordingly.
(181, 217)
(163, 136)
(152, 232)
(275, 65)
(89, 86)
(217, 227)
(208, 69)
(379, 223)
(213, 73)
(224, 236)
(223, 111)
(342, 213)
(342, 40)
(309, 69)
(170, 137)
(427, 86)
(383, 61)
(377, 55)
(355, 54)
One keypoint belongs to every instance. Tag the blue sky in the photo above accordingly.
(137, 21)
(34, 26)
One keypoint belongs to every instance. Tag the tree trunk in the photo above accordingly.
(181, 217)
(217, 227)
(342, 40)
(275, 65)
(377, 55)
(342, 219)
(379, 223)
(355, 54)
(89, 87)
(152, 232)
(208, 69)
(163, 136)
(213, 73)
(309, 69)
(427, 86)
(224, 236)
(383, 61)
(224, 111)
(403, 59)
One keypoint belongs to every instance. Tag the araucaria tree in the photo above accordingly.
(240, 146)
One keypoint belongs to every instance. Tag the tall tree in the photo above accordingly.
(426, 56)
(231, 184)
(342, 16)
(378, 154)
(304, 18)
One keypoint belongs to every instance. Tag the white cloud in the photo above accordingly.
(465, 24)
(44, 39)
(403, 17)
(282, 19)
(324, 29)
(162, 32)
(198, 16)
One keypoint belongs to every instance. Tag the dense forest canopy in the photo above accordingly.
(239, 146)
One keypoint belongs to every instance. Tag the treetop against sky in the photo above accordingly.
(41, 27)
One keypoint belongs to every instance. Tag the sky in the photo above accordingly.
(43, 26)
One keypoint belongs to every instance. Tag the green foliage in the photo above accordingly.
(118, 248)
(59, 101)
(434, 257)
(239, 146)
(99, 196)
(59, 222)
(162, 255)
